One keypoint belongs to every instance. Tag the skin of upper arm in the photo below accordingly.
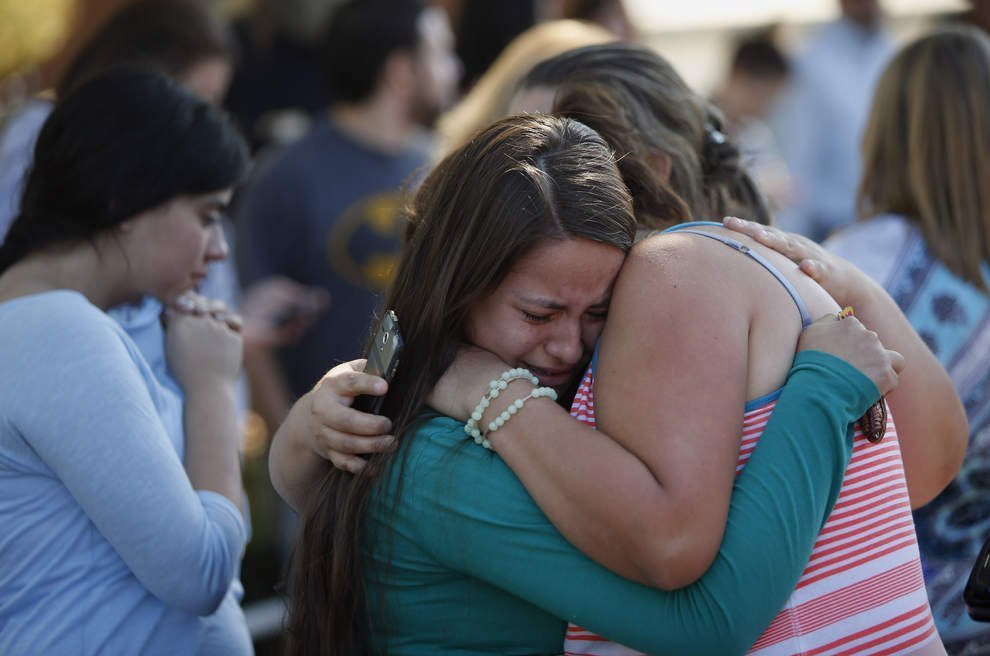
(931, 420)
(293, 467)
(670, 388)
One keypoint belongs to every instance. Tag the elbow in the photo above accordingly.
(955, 430)
(200, 573)
(199, 594)
(278, 466)
(936, 473)
(957, 451)
(275, 472)
(678, 562)
(205, 603)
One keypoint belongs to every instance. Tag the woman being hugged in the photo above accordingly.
(680, 166)
(435, 546)
(117, 539)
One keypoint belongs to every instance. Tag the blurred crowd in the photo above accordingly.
(345, 107)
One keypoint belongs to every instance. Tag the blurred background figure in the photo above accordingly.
(925, 237)
(978, 15)
(489, 98)
(122, 508)
(485, 28)
(821, 118)
(179, 38)
(758, 73)
(278, 86)
(325, 210)
(610, 14)
(188, 42)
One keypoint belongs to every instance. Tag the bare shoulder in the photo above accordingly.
(668, 251)
(683, 262)
(681, 279)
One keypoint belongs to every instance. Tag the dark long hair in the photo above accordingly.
(520, 183)
(636, 100)
(122, 143)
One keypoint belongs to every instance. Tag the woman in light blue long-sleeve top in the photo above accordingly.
(110, 542)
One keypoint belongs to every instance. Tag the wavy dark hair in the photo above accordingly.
(636, 100)
(522, 182)
(124, 142)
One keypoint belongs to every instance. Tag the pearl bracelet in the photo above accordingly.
(495, 388)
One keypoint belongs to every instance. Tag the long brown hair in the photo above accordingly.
(523, 181)
(636, 100)
(926, 149)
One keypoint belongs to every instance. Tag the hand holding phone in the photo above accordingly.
(383, 359)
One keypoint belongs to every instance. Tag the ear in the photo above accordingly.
(660, 164)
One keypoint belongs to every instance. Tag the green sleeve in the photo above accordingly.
(479, 520)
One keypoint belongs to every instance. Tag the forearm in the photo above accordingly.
(779, 504)
(293, 466)
(931, 421)
(212, 458)
(602, 497)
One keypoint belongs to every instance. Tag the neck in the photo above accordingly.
(381, 122)
(868, 26)
(97, 275)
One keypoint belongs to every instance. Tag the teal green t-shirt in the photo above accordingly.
(459, 559)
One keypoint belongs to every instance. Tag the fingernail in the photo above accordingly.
(380, 387)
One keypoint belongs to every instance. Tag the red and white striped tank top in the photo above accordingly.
(862, 593)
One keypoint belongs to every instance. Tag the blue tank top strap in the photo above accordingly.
(746, 250)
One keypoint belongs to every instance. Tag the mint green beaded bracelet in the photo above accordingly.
(495, 388)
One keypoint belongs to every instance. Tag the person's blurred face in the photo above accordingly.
(549, 310)
(437, 69)
(533, 100)
(208, 79)
(755, 95)
(863, 12)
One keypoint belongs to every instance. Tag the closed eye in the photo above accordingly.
(535, 318)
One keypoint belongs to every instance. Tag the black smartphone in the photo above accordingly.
(383, 359)
(977, 593)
